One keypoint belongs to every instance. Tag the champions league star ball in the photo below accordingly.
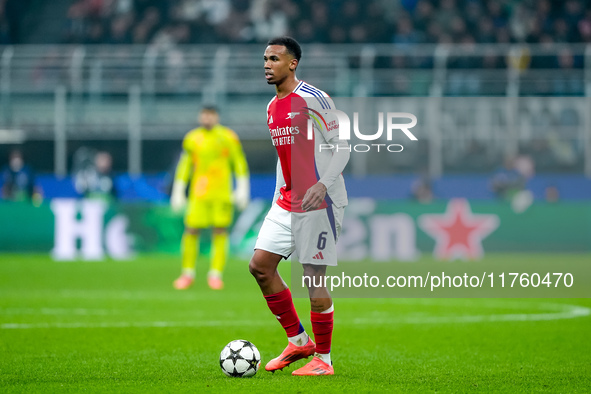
(240, 359)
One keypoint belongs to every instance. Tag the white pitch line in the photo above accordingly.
(152, 324)
(58, 311)
(567, 312)
(571, 313)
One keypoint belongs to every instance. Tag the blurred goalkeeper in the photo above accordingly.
(211, 153)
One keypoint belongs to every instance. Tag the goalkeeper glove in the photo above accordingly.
(242, 193)
(178, 199)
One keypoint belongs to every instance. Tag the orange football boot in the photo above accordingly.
(314, 368)
(292, 353)
(183, 282)
(215, 282)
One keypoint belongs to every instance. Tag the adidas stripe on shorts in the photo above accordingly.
(311, 235)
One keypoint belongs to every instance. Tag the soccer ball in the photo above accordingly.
(240, 359)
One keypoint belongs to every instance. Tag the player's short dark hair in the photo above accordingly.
(209, 108)
(292, 46)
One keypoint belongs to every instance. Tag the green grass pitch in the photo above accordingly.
(120, 327)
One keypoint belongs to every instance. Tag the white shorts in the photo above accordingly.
(313, 239)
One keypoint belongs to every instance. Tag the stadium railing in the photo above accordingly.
(517, 97)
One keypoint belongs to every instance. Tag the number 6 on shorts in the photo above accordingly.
(322, 240)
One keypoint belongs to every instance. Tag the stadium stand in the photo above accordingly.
(404, 22)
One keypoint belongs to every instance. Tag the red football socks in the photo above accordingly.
(281, 304)
(322, 324)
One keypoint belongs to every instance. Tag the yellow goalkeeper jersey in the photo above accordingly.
(210, 157)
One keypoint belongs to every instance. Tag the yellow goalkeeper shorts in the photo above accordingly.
(208, 213)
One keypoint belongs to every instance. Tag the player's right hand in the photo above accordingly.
(241, 195)
(178, 199)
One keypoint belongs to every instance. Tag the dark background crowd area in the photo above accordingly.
(403, 22)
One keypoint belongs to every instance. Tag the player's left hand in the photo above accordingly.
(314, 197)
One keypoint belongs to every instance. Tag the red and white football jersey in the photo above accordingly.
(302, 162)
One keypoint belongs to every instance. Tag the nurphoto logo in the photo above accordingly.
(332, 119)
